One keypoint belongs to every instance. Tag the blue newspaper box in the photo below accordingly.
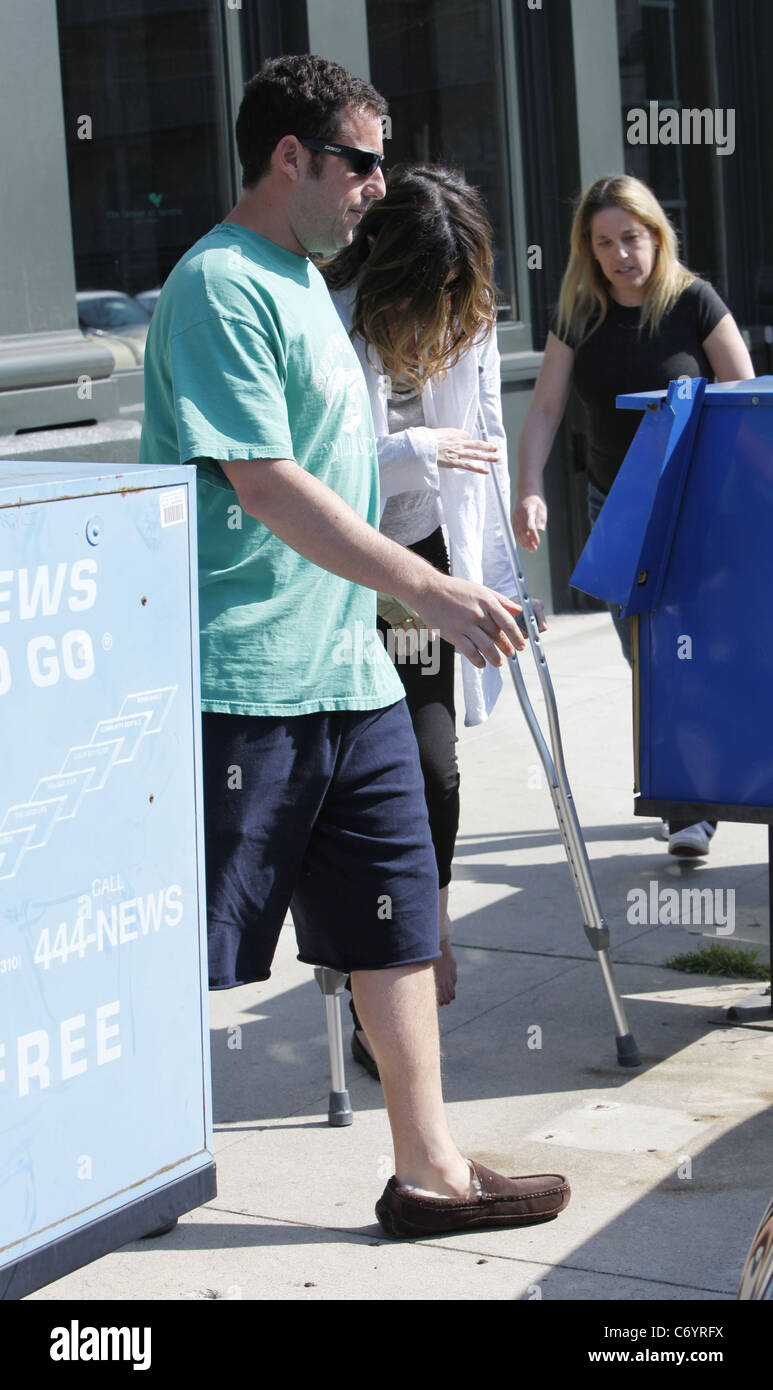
(683, 544)
(105, 1115)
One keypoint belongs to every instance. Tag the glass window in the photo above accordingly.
(648, 73)
(148, 153)
(666, 57)
(436, 63)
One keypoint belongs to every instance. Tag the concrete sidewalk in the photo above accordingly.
(669, 1164)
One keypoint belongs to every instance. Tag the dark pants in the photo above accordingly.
(429, 695)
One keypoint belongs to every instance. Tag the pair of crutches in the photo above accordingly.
(332, 983)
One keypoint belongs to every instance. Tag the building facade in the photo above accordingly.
(119, 153)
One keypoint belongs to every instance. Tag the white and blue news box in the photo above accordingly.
(105, 1109)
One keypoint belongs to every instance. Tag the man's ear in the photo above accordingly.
(287, 157)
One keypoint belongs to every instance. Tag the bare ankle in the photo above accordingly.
(451, 1178)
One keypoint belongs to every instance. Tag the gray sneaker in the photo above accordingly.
(691, 842)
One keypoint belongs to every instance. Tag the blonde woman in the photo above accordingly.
(630, 317)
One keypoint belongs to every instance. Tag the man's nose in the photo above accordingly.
(375, 186)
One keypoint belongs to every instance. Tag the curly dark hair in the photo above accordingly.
(299, 95)
(423, 269)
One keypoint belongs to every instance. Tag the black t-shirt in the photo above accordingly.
(616, 360)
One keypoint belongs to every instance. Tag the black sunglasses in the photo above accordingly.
(361, 162)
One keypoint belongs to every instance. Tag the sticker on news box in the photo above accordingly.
(172, 503)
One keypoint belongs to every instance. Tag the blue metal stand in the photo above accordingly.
(683, 541)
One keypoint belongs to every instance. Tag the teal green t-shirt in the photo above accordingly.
(246, 358)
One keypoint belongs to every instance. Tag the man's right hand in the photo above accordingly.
(458, 449)
(480, 622)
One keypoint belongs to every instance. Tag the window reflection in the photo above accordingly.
(435, 62)
(147, 150)
(648, 72)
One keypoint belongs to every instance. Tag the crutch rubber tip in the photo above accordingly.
(627, 1051)
(339, 1111)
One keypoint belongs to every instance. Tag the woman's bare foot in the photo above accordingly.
(445, 973)
(445, 968)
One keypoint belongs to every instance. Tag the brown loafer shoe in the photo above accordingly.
(502, 1202)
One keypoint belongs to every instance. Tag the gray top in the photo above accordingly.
(410, 516)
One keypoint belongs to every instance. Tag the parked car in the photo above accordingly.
(148, 299)
(118, 321)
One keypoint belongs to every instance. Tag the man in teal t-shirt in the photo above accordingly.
(246, 346)
(250, 374)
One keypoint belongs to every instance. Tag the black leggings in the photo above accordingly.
(429, 695)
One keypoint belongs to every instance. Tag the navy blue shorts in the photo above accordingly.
(324, 814)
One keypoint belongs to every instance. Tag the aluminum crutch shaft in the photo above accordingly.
(552, 759)
(332, 983)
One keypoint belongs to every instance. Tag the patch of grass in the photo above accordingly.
(718, 959)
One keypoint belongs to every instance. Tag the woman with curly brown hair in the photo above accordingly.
(416, 290)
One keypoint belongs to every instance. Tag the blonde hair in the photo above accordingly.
(584, 298)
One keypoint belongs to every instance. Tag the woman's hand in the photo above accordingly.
(529, 518)
(458, 449)
(548, 402)
(539, 613)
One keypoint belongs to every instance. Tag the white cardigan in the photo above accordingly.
(470, 392)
